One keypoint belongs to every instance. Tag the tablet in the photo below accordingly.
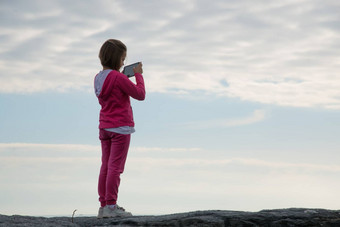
(128, 70)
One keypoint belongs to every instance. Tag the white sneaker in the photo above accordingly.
(115, 212)
(100, 212)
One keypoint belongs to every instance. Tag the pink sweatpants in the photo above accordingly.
(114, 152)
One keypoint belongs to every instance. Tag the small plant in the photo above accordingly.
(73, 214)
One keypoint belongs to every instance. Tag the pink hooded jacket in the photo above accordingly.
(113, 90)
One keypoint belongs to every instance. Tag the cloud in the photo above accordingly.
(256, 116)
(13, 149)
(216, 164)
(67, 174)
(266, 52)
(69, 153)
(28, 147)
(164, 149)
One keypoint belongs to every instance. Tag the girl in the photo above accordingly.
(113, 90)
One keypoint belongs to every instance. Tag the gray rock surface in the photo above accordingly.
(279, 217)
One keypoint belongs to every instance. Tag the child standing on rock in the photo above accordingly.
(116, 123)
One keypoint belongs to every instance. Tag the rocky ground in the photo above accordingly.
(280, 217)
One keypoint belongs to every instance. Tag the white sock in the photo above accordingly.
(111, 206)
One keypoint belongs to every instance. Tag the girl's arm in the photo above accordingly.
(136, 91)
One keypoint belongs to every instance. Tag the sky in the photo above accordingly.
(241, 111)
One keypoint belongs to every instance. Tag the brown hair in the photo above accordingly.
(111, 52)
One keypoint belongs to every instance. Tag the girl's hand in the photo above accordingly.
(138, 68)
